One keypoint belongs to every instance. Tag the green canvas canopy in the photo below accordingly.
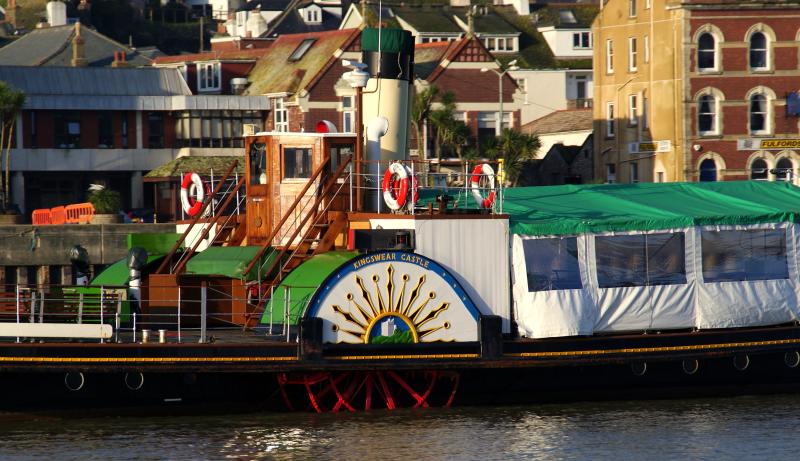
(227, 261)
(573, 209)
(117, 273)
(301, 284)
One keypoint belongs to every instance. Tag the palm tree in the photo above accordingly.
(515, 148)
(11, 103)
(450, 132)
(420, 112)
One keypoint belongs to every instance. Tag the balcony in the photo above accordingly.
(581, 103)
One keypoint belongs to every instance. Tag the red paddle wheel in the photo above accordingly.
(365, 390)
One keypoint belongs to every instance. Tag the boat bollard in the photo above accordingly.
(145, 336)
(162, 336)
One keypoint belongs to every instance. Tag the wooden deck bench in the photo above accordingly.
(8, 306)
(82, 305)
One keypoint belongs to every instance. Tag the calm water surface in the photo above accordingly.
(735, 428)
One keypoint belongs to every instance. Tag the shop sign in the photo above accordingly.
(767, 143)
(650, 146)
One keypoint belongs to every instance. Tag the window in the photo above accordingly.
(759, 170)
(708, 170)
(610, 120)
(632, 54)
(258, 163)
(759, 112)
(743, 255)
(634, 172)
(208, 76)
(348, 115)
(552, 264)
(301, 49)
(105, 130)
(633, 118)
(281, 115)
(706, 53)
(645, 113)
(33, 141)
(758, 51)
(581, 40)
(660, 176)
(646, 4)
(609, 56)
(67, 130)
(313, 14)
(646, 48)
(640, 260)
(707, 115)
(611, 173)
(631, 8)
(218, 128)
(296, 162)
(339, 153)
(784, 170)
(124, 130)
(155, 125)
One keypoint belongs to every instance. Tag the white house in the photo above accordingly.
(566, 89)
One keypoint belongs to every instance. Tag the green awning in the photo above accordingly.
(301, 284)
(155, 243)
(573, 209)
(117, 273)
(227, 261)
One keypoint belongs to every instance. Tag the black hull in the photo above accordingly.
(196, 378)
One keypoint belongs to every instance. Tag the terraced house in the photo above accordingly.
(697, 90)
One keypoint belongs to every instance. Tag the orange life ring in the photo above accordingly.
(395, 197)
(192, 193)
(485, 170)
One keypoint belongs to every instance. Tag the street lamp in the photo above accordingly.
(357, 78)
(511, 66)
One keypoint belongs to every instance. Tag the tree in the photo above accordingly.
(450, 133)
(420, 112)
(11, 103)
(515, 148)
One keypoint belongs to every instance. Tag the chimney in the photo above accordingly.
(471, 21)
(78, 53)
(119, 60)
(56, 13)
(12, 13)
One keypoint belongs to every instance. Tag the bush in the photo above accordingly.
(105, 201)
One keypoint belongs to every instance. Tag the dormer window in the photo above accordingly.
(209, 76)
(312, 14)
(301, 49)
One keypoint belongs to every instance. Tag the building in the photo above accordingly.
(566, 89)
(467, 69)
(301, 74)
(214, 72)
(56, 46)
(562, 164)
(272, 18)
(715, 102)
(567, 31)
(562, 127)
(111, 126)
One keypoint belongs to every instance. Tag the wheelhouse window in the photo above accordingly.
(640, 260)
(759, 170)
(552, 264)
(105, 130)
(706, 52)
(258, 163)
(759, 114)
(744, 255)
(296, 162)
(707, 115)
(67, 129)
(758, 51)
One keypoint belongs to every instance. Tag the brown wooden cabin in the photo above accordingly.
(278, 167)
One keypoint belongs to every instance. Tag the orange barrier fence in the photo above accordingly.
(78, 213)
(58, 215)
(41, 217)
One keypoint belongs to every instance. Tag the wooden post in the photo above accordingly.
(311, 339)
(490, 335)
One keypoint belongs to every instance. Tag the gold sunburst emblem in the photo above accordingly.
(388, 316)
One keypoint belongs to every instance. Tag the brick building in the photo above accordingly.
(716, 101)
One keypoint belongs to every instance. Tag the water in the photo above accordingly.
(709, 429)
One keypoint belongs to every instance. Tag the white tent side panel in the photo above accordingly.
(476, 253)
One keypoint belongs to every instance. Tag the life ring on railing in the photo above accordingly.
(395, 196)
(484, 169)
(412, 187)
(192, 193)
